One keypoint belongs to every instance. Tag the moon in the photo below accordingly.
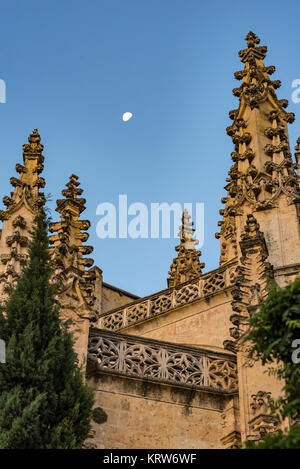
(126, 116)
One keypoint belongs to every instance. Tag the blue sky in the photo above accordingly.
(72, 68)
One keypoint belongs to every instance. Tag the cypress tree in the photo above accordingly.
(44, 402)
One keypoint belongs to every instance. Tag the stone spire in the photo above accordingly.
(21, 207)
(77, 284)
(68, 248)
(186, 265)
(263, 172)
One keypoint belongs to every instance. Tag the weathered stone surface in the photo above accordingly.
(171, 369)
(21, 208)
(153, 415)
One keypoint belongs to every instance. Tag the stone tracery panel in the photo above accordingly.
(187, 294)
(166, 300)
(113, 322)
(214, 283)
(136, 312)
(222, 374)
(160, 361)
(161, 303)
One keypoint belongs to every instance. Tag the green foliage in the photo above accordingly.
(44, 402)
(277, 323)
(99, 415)
(273, 330)
(279, 440)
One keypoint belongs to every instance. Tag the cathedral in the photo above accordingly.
(171, 370)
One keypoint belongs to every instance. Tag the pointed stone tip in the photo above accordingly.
(72, 190)
(252, 53)
(185, 214)
(252, 39)
(34, 137)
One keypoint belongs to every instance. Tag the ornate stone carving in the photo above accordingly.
(76, 284)
(297, 156)
(137, 312)
(264, 170)
(21, 208)
(115, 321)
(186, 266)
(159, 303)
(160, 361)
(187, 294)
(251, 280)
(214, 283)
(222, 374)
(262, 421)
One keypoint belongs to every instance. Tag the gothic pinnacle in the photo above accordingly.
(71, 231)
(186, 231)
(263, 168)
(72, 268)
(28, 184)
(21, 207)
(186, 265)
(34, 147)
(253, 51)
(70, 195)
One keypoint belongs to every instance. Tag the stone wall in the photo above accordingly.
(113, 297)
(204, 323)
(143, 414)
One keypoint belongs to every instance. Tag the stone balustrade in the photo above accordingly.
(165, 300)
(114, 353)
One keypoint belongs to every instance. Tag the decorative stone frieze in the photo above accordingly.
(166, 300)
(161, 361)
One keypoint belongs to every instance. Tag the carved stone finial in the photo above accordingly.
(34, 147)
(69, 251)
(186, 231)
(252, 39)
(253, 51)
(71, 198)
(186, 265)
